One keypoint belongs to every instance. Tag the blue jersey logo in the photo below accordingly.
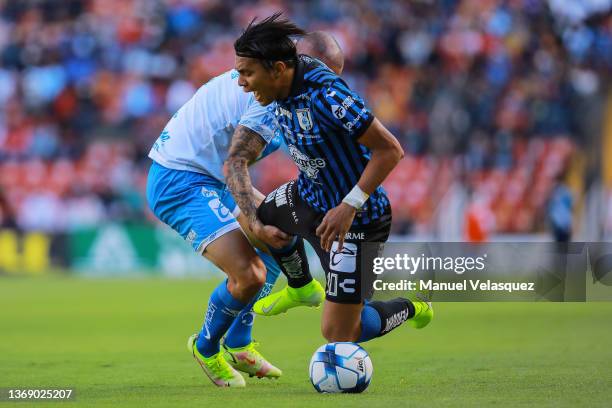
(163, 138)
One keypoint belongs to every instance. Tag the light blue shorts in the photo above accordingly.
(199, 207)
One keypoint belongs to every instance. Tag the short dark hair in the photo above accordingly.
(269, 40)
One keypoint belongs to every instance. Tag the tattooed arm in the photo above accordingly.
(246, 146)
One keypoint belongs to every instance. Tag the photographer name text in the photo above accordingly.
(460, 286)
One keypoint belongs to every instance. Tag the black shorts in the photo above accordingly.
(346, 279)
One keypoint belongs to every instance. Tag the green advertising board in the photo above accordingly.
(134, 249)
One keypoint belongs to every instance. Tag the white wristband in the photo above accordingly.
(356, 197)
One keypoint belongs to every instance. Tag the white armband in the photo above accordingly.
(356, 197)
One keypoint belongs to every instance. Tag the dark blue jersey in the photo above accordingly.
(321, 121)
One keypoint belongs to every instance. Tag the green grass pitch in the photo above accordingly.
(122, 343)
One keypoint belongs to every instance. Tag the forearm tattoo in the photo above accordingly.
(246, 147)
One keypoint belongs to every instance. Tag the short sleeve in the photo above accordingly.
(271, 147)
(341, 110)
(260, 120)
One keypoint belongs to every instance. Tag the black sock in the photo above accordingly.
(392, 313)
(294, 263)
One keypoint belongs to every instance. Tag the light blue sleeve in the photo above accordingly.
(260, 120)
(271, 147)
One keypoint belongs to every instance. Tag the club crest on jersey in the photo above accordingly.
(304, 118)
(309, 166)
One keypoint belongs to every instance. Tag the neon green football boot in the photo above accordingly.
(215, 367)
(312, 294)
(423, 313)
(250, 361)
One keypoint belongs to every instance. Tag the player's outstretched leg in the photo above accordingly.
(302, 289)
(239, 346)
(360, 323)
(379, 318)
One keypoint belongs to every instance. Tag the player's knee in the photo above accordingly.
(252, 278)
(335, 332)
(258, 274)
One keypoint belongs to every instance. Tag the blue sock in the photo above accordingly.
(222, 310)
(239, 334)
(370, 323)
(392, 312)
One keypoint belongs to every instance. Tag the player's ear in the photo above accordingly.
(278, 68)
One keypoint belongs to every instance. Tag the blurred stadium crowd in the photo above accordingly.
(483, 94)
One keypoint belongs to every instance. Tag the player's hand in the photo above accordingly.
(271, 236)
(335, 225)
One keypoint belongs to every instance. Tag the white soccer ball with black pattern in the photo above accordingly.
(341, 367)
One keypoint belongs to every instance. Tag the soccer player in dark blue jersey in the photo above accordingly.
(343, 153)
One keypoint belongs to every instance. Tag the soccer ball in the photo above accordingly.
(340, 367)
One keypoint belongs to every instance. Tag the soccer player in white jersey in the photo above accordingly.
(186, 190)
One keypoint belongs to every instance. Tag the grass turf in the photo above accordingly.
(122, 343)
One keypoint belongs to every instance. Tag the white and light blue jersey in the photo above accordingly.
(198, 137)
